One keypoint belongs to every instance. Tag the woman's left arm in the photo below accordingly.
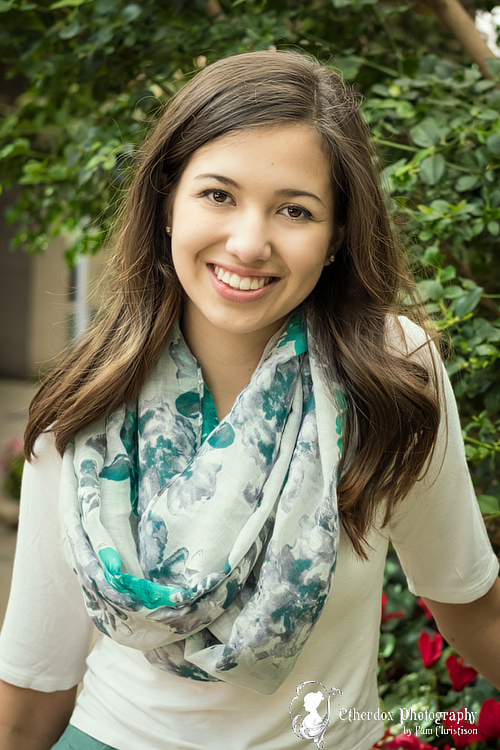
(473, 630)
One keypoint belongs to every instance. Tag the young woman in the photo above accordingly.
(235, 442)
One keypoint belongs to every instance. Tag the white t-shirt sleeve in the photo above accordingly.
(46, 633)
(438, 531)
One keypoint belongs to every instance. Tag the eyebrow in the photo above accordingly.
(285, 192)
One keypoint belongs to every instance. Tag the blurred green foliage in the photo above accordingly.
(94, 74)
(13, 477)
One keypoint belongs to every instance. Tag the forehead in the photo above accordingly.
(265, 154)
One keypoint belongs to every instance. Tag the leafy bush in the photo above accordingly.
(11, 468)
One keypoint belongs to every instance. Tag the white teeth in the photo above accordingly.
(238, 282)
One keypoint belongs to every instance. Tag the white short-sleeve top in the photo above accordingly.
(437, 532)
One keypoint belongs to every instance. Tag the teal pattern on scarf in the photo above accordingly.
(211, 546)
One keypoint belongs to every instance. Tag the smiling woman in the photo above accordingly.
(243, 430)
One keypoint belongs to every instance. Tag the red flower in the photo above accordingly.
(489, 719)
(389, 615)
(460, 675)
(430, 650)
(408, 742)
(463, 732)
(426, 609)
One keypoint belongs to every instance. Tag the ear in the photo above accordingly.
(335, 244)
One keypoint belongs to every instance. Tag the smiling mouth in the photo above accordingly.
(245, 283)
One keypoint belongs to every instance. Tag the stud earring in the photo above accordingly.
(331, 258)
(169, 230)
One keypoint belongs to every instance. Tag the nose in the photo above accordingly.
(249, 237)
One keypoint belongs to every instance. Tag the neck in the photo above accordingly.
(227, 360)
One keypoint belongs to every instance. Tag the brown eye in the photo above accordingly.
(297, 213)
(218, 196)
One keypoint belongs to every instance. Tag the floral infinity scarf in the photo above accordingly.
(211, 554)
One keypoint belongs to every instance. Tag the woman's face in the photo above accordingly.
(252, 229)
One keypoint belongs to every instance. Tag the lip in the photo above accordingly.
(239, 295)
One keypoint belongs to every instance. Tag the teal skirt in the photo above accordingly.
(73, 739)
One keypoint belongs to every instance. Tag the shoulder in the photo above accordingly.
(44, 468)
(405, 336)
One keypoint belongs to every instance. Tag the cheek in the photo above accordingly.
(192, 233)
(185, 243)
(308, 265)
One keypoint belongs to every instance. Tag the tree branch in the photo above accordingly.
(454, 15)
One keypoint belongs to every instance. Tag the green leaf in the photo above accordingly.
(493, 228)
(433, 257)
(19, 146)
(477, 227)
(468, 283)
(448, 273)
(386, 645)
(72, 156)
(444, 69)
(94, 161)
(131, 13)
(493, 143)
(466, 182)
(486, 350)
(381, 90)
(5, 6)
(466, 304)
(68, 4)
(488, 504)
(453, 291)
(470, 452)
(400, 107)
(348, 66)
(404, 109)
(425, 236)
(427, 133)
(432, 169)
(432, 307)
(69, 32)
(490, 115)
(484, 85)
(33, 173)
(431, 289)
(494, 66)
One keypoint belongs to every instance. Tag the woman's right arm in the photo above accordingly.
(46, 633)
(32, 720)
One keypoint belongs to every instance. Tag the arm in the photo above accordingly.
(31, 719)
(46, 633)
(440, 537)
(473, 630)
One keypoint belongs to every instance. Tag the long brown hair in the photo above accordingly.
(393, 413)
